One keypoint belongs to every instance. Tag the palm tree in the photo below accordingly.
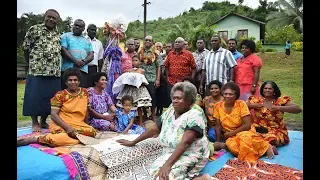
(291, 12)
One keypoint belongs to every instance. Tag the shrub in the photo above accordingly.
(271, 50)
(259, 46)
(281, 35)
(297, 46)
(20, 56)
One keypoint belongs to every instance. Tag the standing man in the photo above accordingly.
(136, 44)
(42, 52)
(232, 46)
(96, 64)
(216, 64)
(179, 64)
(199, 56)
(150, 62)
(77, 52)
(126, 59)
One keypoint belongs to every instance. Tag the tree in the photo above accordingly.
(291, 12)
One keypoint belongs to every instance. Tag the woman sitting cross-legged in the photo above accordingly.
(268, 111)
(69, 115)
(181, 131)
(233, 125)
(100, 104)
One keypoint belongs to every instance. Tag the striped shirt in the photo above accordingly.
(216, 65)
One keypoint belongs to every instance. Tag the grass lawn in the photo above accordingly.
(287, 73)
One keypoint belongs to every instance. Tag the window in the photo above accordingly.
(223, 34)
(243, 32)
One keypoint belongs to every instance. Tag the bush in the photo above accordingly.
(20, 56)
(281, 35)
(297, 46)
(259, 46)
(271, 50)
(262, 50)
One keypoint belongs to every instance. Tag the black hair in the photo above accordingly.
(216, 35)
(96, 77)
(233, 86)
(277, 92)
(250, 44)
(136, 56)
(232, 39)
(126, 98)
(51, 10)
(216, 82)
(72, 72)
(93, 25)
(188, 78)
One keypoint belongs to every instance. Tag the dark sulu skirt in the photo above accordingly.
(38, 92)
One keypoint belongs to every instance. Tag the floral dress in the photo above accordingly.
(196, 156)
(101, 104)
(273, 121)
(124, 120)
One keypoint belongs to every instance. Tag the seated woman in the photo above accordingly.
(198, 97)
(69, 113)
(208, 105)
(100, 103)
(181, 131)
(268, 111)
(233, 125)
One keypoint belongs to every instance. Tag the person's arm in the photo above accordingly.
(256, 75)
(246, 125)
(157, 64)
(231, 64)
(86, 118)
(193, 73)
(218, 130)
(289, 108)
(254, 105)
(26, 54)
(193, 66)
(89, 57)
(129, 126)
(95, 114)
(27, 44)
(100, 57)
(57, 119)
(231, 74)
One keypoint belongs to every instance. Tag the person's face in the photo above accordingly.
(92, 31)
(215, 42)
(102, 83)
(168, 48)
(130, 46)
(78, 27)
(200, 44)
(148, 41)
(186, 45)
(127, 105)
(245, 50)
(73, 83)
(179, 103)
(268, 90)
(232, 46)
(136, 44)
(178, 44)
(135, 62)
(159, 47)
(214, 90)
(51, 19)
(229, 96)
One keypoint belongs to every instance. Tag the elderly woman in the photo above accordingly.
(247, 71)
(268, 112)
(69, 109)
(208, 105)
(100, 104)
(181, 131)
(233, 125)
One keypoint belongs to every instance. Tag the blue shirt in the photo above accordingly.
(288, 45)
(78, 46)
(236, 55)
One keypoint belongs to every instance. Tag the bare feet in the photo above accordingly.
(36, 128)
(275, 150)
(26, 141)
(270, 153)
(219, 145)
(203, 177)
(44, 125)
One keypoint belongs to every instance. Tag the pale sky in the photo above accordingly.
(100, 11)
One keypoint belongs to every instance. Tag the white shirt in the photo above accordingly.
(97, 51)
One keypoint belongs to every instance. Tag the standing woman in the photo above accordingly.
(247, 71)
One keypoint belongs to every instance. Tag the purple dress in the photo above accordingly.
(101, 104)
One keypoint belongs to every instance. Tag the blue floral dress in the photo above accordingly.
(124, 120)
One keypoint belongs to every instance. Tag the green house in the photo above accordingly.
(233, 25)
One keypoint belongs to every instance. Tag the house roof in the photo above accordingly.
(241, 16)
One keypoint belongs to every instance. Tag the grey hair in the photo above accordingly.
(189, 90)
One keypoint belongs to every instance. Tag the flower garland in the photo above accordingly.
(148, 59)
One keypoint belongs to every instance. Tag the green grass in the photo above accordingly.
(287, 73)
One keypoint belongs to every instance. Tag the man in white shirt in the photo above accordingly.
(96, 64)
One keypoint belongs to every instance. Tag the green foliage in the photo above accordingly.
(241, 38)
(279, 35)
(20, 56)
(271, 50)
(259, 46)
(297, 46)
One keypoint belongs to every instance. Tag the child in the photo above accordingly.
(133, 83)
(126, 117)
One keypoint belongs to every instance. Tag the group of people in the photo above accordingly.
(213, 97)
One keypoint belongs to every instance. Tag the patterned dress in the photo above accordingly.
(277, 129)
(101, 104)
(196, 156)
(124, 120)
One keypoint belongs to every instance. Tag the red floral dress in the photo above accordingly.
(277, 130)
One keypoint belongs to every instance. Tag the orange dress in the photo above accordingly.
(208, 105)
(244, 73)
(273, 121)
(246, 145)
(73, 111)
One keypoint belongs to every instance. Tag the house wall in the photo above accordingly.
(234, 23)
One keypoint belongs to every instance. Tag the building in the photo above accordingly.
(233, 24)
